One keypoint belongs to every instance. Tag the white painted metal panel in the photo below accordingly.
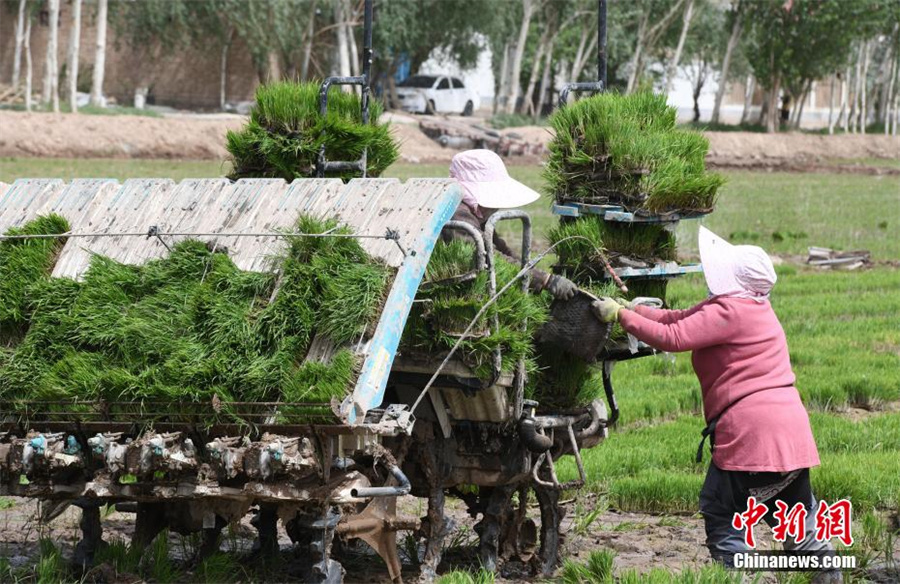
(208, 206)
(24, 200)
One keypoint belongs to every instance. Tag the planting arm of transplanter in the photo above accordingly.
(468, 331)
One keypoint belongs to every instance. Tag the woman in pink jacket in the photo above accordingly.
(762, 444)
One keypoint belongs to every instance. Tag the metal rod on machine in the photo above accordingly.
(398, 490)
(323, 165)
(601, 43)
(367, 60)
(600, 84)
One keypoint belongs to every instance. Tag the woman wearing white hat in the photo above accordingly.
(488, 187)
(762, 444)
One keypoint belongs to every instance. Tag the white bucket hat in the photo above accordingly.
(486, 182)
(735, 270)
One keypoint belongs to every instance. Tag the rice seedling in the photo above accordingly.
(709, 574)
(123, 558)
(285, 132)
(627, 150)
(442, 312)
(219, 567)
(191, 326)
(51, 567)
(598, 569)
(649, 243)
(23, 263)
(157, 564)
(564, 380)
(480, 576)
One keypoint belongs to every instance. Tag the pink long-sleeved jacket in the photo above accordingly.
(740, 355)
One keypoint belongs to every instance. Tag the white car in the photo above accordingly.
(430, 94)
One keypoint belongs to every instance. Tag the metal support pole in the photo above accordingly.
(367, 60)
(601, 43)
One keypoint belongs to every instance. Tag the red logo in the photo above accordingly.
(790, 523)
(749, 518)
(834, 521)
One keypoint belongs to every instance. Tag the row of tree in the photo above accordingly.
(783, 48)
(26, 12)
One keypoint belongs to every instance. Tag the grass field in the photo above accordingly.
(843, 331)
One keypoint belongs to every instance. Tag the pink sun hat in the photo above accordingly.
(486, 182)
(735, 270)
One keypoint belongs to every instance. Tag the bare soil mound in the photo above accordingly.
(748, 149)
(94, 136)
(202, 137)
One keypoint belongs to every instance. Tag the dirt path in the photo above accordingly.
(202, 137)
(640, 541)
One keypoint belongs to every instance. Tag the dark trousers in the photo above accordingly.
(725, 493)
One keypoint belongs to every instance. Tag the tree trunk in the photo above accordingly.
(773, 120)
(585, 33)
(889, 98)
(516, 68)
(831, 107)
(803, 99)
(341, 31)
(351, 40)
(763, 117)
(883, 78)
(53, 54)
(546, 81)
(896, 112)
(503, 90)
(392, 86)
(749, 88)
(580, 65)
(864, 107)
(726, 64)
(74, 47)
(20, 39)
(843, 116)
(527, 99)
(308, 43)
(223, 69)
(638, 49)
(99, 55)
(854, 101)
(648, 38)
(698, 87)
(672, 68)
(28, 68)
(273, 67)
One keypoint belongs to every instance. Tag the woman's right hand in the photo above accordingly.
(625, 303)
(606, 309)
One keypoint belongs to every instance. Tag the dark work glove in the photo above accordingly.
(561, 288)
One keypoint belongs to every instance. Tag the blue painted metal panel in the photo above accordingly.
(669, 270)
(565, 210)
(618, 213)
(369, 390)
